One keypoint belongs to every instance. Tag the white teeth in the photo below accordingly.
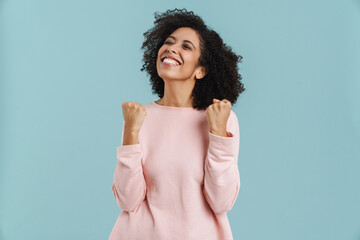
(168, 60)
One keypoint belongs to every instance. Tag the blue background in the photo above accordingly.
(67, 66)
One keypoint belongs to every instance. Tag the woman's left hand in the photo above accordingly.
(217, 115)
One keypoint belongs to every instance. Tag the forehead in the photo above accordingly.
(186, 33)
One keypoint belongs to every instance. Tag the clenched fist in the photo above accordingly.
(217, 115)
(134, 115)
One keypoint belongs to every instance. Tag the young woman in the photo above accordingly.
(177, 167)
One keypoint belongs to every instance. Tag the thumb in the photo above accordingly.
(216, 100)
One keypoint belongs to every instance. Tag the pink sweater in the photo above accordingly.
(179, 181)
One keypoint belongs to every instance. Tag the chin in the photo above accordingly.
(170, 77)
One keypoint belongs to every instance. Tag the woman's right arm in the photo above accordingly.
(129, 186)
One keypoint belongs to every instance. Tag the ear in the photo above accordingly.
(201, 72)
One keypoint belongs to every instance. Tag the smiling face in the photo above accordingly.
(182, 45)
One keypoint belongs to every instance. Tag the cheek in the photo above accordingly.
(159, 52)
(162, 49)
(189, 59)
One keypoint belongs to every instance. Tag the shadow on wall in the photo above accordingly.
(357, 4)
(2, 107)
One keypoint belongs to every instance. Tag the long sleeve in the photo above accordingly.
(129, 186)
(222, 177)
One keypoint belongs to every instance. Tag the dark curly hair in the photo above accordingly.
(222, 79)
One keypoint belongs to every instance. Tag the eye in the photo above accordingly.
(185, 46)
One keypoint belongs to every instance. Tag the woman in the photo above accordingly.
(177, 174)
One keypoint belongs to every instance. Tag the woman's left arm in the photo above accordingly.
(222, 177)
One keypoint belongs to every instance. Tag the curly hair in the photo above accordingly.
(222, 79)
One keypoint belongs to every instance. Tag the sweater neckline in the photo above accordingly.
(172, 108)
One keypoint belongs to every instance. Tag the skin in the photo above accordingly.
(217, 115)
(134, 115)
(179, 82)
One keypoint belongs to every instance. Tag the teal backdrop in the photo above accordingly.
(67, 66)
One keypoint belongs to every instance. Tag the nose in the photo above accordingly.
(170, 48)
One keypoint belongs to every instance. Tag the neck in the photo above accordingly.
(177, 95)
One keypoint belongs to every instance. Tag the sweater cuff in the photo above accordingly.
(130, 155)
(229, 140)
(129, 148)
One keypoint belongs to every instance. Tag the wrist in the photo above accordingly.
(130, 138)
(222, 133)
(131, 130)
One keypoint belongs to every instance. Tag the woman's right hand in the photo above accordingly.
(134, 115)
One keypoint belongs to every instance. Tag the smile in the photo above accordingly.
(169, 62)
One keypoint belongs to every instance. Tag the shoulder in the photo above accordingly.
(148, 105)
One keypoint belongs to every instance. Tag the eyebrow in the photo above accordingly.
(184, 40)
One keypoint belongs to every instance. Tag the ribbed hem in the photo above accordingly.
(130, 148)
(171, 108)
(223, 140)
